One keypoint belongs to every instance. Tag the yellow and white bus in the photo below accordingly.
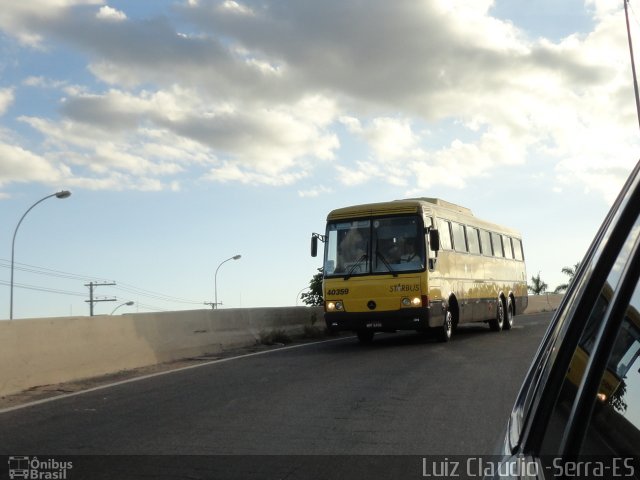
(419, 264)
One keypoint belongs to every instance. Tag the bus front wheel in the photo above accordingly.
(365, 336)
(445, 331)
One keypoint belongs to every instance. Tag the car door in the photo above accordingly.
(581, 396)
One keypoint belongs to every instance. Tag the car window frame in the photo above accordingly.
(544, 379)
(598, 359)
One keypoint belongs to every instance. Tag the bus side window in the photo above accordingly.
(472, 240)
(517, 249)
(459, 241)
(445, 234)
(508, 249)
(485, 243)
(496, 242)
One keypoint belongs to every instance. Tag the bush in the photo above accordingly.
(311, 331)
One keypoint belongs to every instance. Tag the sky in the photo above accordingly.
(190, 131)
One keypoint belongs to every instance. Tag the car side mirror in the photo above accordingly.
(434, 240)
(314, 246)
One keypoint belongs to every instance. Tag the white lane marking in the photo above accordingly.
(157, 374)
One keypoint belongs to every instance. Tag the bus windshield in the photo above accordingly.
(380, 245)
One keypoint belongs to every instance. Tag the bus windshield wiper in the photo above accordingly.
(386, 263)
(355, 265)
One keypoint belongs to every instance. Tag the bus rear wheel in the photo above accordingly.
(508, 321)
(497, 323)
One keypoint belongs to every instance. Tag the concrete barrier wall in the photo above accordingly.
(546, 302)
(47, 351)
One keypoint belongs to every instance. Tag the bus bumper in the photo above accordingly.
(406, 319)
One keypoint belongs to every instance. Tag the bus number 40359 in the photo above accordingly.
(338, 291)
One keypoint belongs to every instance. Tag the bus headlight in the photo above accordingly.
(335, 306)
(412, 302)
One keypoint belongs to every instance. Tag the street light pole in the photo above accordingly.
(215, 279)
(61, 194)
(128, 304)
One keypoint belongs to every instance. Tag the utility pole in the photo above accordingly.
(92, 300)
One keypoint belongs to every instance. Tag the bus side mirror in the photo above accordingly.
(314, 246)
(434, 240)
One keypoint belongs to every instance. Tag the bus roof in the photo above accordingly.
(424, 205)
(395, 207)
(443, 204)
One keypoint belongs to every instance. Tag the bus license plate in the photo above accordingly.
(374, 325)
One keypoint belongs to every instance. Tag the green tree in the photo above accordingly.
(314, 296)
(571, 272)
(537, 287)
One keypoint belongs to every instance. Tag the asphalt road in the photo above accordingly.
(404, 395)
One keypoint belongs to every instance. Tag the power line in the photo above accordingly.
(145, 306)
(43, 289)
(46, 271)
(86, 278)
(158, 296)
(151, 307)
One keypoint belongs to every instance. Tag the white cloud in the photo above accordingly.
(110, 14)
(359, 173)
(520, 98)
(20, 165)
(315, 191)
(401, 157)
(39, 82)
(232, 172)
(393, 139)
(394, 145)
(118, 181)
(603, 8)
(25, 19)
(159, 134)
(6, 99)
(254, 92)
(235, 8)
(351, 123)
(109, 156)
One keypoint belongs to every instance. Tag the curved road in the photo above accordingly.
(402, 395)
